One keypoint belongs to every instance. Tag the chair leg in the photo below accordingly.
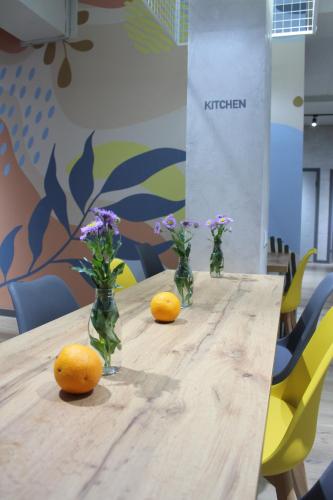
(287, 322)
(299, 479)
(293, 315)
(284, 486)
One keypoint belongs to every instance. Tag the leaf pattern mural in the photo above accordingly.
(141, 167)
(56, 197)
(7, 250)
(134, 209)
(143, 207)
(81, 179)
(37, 227)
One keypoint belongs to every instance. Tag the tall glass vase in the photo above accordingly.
(216, 259)
(104, 330)
(184, 282)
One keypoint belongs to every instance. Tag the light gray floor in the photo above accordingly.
(322, 453)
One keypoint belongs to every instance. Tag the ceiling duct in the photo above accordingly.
(172, 15)
(294, 17)
(38, 21)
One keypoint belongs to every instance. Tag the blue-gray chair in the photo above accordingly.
(150, 260)
(323, 488)
(40, 301)
(290, 348)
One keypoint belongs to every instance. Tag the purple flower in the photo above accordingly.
(157, 228)
(223, 220)
(186, 223)
(91, 229)
(211, 223)
(108, 218)
(170, 222)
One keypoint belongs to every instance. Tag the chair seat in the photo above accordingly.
(279, 416)
(282, 358)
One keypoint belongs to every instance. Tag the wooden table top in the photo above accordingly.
(278, 262)
(183, 420)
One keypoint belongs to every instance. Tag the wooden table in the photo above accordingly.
(183, 420)
(278, 262)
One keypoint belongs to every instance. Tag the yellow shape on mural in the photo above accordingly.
(169, 183)
(147, 35)
(108, 156)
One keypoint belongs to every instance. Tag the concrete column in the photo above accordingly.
(228, 124)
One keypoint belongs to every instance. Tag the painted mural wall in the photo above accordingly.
(95, 121)
(285, 205)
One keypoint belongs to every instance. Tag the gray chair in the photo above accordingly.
(323, 488)
(40, 301)
(150, 260)
(290, 348)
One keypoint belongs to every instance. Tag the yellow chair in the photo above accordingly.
(292, 414)
(292, 298)
(126, 278)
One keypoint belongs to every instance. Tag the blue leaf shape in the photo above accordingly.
(7, 250)
(128, 249)
(81, 179)
(55, 194)
(37, 226)
(143, 207)
(140, 167)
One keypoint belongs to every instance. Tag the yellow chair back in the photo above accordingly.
(292, 298)
(126, 278)
(299, 395)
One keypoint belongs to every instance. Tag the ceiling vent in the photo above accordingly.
(294, 17)
(39, 21)
(172, 15)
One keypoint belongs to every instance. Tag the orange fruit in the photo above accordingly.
(165, 307)
(78, 368)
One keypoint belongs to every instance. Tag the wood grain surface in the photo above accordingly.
(183, 420)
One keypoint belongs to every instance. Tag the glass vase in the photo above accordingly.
(104, 330)
(184, 282)
(216, 260)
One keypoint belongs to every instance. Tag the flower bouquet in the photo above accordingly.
(217, 227)
(181, 235)
(103, 240)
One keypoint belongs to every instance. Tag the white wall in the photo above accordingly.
(287, 139)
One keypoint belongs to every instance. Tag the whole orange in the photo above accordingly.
(165, 307)
(78, 368)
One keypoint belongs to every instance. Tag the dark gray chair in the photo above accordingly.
(323, 488)
(40, 301)
(290, 348)
(150, 260)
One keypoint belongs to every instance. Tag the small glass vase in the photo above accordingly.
(104, 330)
(216, 259)
(184, 282)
